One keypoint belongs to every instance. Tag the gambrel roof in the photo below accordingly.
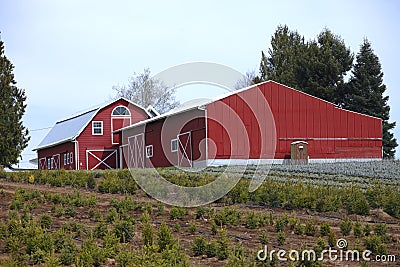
(69, 129)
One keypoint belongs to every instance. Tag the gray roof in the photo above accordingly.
(67, 130)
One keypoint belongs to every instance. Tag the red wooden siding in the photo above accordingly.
(330, 131)
(88, 142)
(159, 134)
(67, 149)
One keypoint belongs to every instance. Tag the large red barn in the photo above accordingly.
(265, 122)
(87, 141)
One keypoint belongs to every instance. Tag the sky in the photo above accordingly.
(68, 54)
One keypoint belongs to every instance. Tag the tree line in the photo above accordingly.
(320, 67)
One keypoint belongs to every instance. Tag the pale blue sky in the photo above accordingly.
(69, 53)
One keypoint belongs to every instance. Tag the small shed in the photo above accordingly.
(299, 152)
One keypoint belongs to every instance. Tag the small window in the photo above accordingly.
(65, 159)
(71, 158)
(149, 151)
(174, 145)
(121, 111)
(49, 163)
(67, 154)
(97, 128)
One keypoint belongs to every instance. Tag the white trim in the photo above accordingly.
(40, 165)
(101, 161)
(112, 125)
(188, 144)
(53, 161)
(136, 151)
(94, 127)
(65, 159)
(76, 148)
(172, 141)
(71, 158)
(149, 155)
(120, 106)
(241, 162)
(206, 134)
(330, 139)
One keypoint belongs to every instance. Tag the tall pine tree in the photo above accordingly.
(283, 60)
(316, 67)
(13, 135)
(364, 93)
(326, 63)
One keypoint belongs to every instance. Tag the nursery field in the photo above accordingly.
(102, 218)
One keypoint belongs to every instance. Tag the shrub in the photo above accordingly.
(112, 215)
(222, 252)
(147, 234)
(227, 216)
(357, 229)
(310, 228)
(251, 220)
(346, 226)
(160, 209)
(332, 239)
(199, 246)
(280, 224)
(68, 252)
(367, 230)
(211, 249)
(192, 227)
(91, 182)
(165, 239)
(177, 213)
(299, 229)
(100, 230)
(214, 228)
(124, 230)
(263, 237)
(281, 238)
(380, 229)
(45, 221)
(374, 243)
(70, 211)
(325, 229)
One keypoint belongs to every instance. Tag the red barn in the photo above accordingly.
(265, 122)
(86, 141)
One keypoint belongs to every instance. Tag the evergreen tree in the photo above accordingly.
(364, 93)
(282, 63)
(13, 135)
(325, 64)
(317, 67)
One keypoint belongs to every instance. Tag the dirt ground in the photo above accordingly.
(248, 238)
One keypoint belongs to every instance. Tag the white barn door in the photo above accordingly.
(136, 151)
(185, 150)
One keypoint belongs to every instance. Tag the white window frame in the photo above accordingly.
(149, 149)
(71, 158)
(65, 159)
(176, 145)
(99, 127)
(119, 115)
(49, 161)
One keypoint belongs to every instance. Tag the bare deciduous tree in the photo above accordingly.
(250, 78)
(145, 90)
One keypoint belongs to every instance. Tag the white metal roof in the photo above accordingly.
(67, 130)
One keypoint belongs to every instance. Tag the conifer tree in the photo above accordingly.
(364, 93)
(13, 135)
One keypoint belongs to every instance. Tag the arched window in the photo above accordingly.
(120, 111)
